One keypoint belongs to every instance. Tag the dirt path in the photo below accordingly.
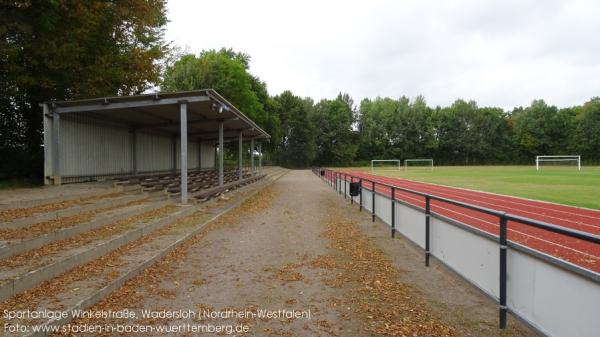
(295, 249)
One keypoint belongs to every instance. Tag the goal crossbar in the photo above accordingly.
(539, 159)
(406, 161)
(397, 161)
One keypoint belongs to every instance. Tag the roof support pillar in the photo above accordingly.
(221, 150)
(240, 155)
(252, 155)
(260, 154)
(183, 145)
(56, 176)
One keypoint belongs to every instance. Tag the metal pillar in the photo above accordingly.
(56, 176)
(252, 155)
(240, 156)
(221, 150)
(373, 202)
(427, 228)
(360, 201)
(393, 212)
(503, 249)
(183, 145)
(260, 154)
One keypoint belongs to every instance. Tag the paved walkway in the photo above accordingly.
(314, 266)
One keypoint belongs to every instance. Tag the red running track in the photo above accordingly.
(576, 251)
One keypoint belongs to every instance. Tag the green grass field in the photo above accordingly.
(564, 185)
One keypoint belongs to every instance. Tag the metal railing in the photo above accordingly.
(332, 177)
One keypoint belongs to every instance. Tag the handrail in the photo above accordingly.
(589, 237)
(503, 219)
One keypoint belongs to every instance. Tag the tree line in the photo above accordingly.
(62, 50)
(466, 134)
(339, 132)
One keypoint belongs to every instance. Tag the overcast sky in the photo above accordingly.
(498, 53)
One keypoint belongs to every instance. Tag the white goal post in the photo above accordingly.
(406, 161)
(539, 159)
(397, 161)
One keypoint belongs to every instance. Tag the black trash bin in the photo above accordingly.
(354, 189)
(322, 172)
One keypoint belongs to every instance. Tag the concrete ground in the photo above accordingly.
(297, 248)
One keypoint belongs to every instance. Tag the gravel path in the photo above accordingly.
(297, 249)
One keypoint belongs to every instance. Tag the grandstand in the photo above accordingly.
(155, 135)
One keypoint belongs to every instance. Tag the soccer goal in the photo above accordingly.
(385, 164)
(427, 163)
(558, 160)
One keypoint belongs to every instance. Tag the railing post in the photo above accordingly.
(427, 224)
(373, 201)
(360, 195)
(345, 185)
(340, 183)
(336, 183)
(503, 249)
(333, 180)
(351, 197)
(393, 212)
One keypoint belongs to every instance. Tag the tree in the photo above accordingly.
(411, 129)
(226, 71)
(468, 134)
(374, 119)
(586, 139)
(336, 140)
(296, 148)
(58, 50)
(541, 129)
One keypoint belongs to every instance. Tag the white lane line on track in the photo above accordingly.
(522, 233)
(510, 230)
(516, 209)
(484, 195)
(451, 191)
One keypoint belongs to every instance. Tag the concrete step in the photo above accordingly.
(31, 197)
(76, 293)
(9, 249)
(17, 279)
(96, 205)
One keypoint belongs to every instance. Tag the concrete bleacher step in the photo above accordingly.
(75, 209)
(101, 219)
(207, 194)
(17, 279)
(81, 293)
(56, 197)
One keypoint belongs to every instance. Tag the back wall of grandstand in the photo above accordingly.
(92, 148)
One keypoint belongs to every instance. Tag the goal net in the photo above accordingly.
(574, 161)
(419, 163)
(385, 164)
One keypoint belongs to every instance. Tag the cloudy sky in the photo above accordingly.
(498, 53)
